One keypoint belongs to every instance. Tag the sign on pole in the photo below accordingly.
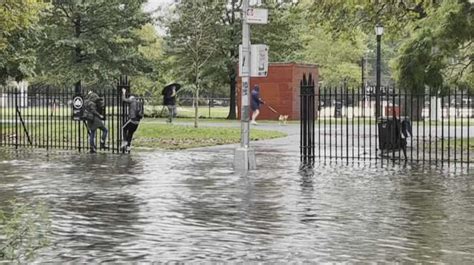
(77, 108)
(257, 15)
(258, 60)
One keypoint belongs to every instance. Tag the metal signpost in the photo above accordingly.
(244, 158)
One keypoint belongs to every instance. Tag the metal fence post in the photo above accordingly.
(307, 116)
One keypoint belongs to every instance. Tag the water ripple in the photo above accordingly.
(191, 207)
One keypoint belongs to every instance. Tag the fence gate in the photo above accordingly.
(50, 118)
(432, 127)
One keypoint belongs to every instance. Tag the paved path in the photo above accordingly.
(334, 141)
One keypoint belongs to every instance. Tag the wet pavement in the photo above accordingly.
(189, 206)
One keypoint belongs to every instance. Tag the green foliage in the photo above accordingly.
(16, 15)
(433, 39)
(91, 41)
(17, 36)
(191, 42)
(338, 58)
(24, 231)
(344, 16)
(149, 84)
(282, 33)
(440, 51)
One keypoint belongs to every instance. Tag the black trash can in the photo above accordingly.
(390, 137)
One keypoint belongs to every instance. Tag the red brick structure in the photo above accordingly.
(280, 89)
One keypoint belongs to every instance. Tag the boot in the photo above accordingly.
(103, 146)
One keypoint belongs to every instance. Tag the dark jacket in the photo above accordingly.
(92, 104)
(255, 99)
(169, 98)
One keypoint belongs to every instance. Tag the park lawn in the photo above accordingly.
(149, 134)
(188, 112)
(458, 144)
(175, 137)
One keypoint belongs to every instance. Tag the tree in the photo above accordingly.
(149, 83)
(279, 34)
(92, 42)
(191, 42)
(338, 58)
(17, 24)
(439, 53)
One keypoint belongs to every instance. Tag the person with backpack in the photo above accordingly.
(93, 106)
(135, 114)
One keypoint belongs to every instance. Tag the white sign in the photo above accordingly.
(257, 15)
(258, 60)
(77, 102)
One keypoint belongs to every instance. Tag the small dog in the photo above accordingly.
(282, 119)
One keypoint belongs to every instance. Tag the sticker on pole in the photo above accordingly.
(257, 15)
(77, 108)
(78, 102)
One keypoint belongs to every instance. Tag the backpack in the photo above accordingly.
(87, 114)
(139, 111)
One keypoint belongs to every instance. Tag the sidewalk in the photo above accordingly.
(288, 144)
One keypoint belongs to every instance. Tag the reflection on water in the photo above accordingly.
(189, 206)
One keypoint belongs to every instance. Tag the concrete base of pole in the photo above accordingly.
(244, 159)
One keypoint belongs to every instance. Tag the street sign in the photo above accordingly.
(258, 60)
(77, 108)
(257, 15)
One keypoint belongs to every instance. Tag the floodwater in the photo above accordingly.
(189, 206)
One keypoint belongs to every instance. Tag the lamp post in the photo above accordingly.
(378, 32)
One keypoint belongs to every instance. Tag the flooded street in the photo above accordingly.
(190, 206)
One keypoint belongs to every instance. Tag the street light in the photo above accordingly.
(378, 32)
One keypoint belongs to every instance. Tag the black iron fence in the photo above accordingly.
(427, 127)
(45, 119)
(307, 121)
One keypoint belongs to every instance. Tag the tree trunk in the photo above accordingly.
(77, 52)
(415, 107)
(233, 83)
(196, 107)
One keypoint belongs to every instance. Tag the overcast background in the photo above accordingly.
(153, 4)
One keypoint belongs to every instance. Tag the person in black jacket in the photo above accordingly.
(135, 114)
(169, 100)
(93, 104)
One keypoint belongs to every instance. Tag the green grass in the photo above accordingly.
(150, 134)
(343, 121)
(166, 136)
(447, 122)
(458, 144)
(188, 112)
(150, 111)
